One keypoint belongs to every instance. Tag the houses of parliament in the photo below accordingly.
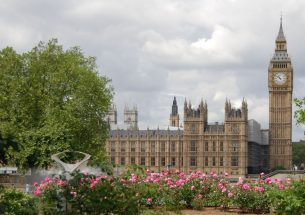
(238, 146)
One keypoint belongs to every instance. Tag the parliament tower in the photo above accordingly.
(280, 84)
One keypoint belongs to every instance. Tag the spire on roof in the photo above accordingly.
(281, 36)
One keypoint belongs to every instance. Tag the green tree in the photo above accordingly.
(51, 100)
(299, 114)
(298, 153)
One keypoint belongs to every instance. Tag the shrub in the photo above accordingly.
(290, 200)
(14, 202)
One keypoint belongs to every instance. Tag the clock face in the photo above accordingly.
(280, 78)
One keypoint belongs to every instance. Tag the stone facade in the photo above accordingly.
(238, 146)
(199, 146)
(280, 83)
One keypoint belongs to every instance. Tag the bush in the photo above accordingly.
(86, 194)
(14, 202)
(133, 194)
(289, 201)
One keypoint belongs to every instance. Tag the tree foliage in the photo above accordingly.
(299, 114)
(298, 153)
(51, 100)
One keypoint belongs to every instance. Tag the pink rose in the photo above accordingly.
(246, 187)
(149, 201)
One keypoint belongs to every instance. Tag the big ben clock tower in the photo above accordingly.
(280, 84)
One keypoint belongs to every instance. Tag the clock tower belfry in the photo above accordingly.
(280, 84)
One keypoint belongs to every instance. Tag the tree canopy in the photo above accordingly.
(299, 114)
(298, 153)
(51, 100)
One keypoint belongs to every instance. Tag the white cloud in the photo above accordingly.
(152, 51)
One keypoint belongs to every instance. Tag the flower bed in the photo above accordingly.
(130, 194)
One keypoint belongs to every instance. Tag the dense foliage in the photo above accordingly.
(299, 114)
(51, 100)
(298, 154)
(131, 194)
(13, 202)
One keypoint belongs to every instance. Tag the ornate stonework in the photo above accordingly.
(280, 83)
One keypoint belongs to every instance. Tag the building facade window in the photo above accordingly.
(221, 161)
(221, 147)
(122, 160)
(142, 146)
(162, 146)
(206, 146)
(112, 160)
(193, 161)
(234, 161)
(133, 146)
(206, 161)
(173, 161)
(142, 161)
(153, 146)
(162, 161)
(193, 146)
(173, 146)
(132, 160)
(152, 161)
(214, 147)
(234, 146)
(112, 146)
(123, 144)
(214, 161)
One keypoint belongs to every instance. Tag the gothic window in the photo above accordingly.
(162, 146)
(133, 160)
(234, 146)
(162, 161)
(214, 146)
(153, 146)
(173, 161)
(142, 146)
(132, 146)
(122, 160)
(206, 146)
(221, 161)
(193, 161)
(193, 147)
(123, 144)
(112, 160)
(152, 161)
(193, 129)
(206, 161)
(214, 161)
(221, 147)
(173, 146)
(234, 161)
(142, 161)
(113, 146)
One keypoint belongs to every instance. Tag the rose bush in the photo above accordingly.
(131, 193)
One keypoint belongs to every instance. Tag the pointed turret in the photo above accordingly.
(174, 108)
(281, 36)
(174, 116)
(280, 41)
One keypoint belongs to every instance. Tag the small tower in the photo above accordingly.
(112, 117)
(174, 116)
(195, 119)
(131, 117)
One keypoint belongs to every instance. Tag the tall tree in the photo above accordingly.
(298, 153)
(51, 100)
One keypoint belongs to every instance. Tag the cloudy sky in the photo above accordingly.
(157, 49)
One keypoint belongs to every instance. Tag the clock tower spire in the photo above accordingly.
(280, 84)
